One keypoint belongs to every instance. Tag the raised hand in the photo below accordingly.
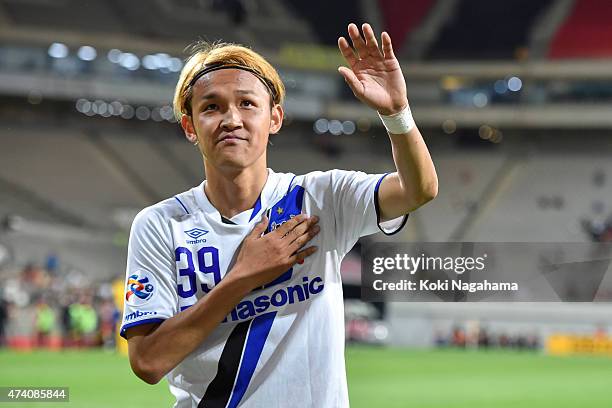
(374, 75)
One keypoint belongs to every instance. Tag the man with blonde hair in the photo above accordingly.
(233, 287)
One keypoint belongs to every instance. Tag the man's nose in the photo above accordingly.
(231, 119)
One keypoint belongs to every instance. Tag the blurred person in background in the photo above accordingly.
(45, 322)
(83, 322)
(65, 320)
(458, 337)
(109, 316)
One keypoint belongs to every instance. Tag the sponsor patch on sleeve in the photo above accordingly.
(140, 288)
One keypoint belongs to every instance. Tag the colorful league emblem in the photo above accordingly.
(140, 288)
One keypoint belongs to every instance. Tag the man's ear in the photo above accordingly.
(187, 125)
(276, 119)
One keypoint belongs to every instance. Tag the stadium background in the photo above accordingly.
(514, 100)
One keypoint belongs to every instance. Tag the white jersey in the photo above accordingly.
(283, 345)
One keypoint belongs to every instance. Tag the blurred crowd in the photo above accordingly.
(41, 308)
(476, 336)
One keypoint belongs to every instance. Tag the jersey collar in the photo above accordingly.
(246, 216)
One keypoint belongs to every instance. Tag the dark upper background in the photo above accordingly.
(512, 97)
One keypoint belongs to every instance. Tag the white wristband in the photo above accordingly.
(398, 123)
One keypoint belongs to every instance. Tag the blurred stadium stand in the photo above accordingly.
(513, 98)
(481, 29)
(585, 33)
(164, 20)
(402, 19)
(68, 170)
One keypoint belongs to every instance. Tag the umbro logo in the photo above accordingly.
(196, 233)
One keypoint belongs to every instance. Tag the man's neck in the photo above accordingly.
(234, 192)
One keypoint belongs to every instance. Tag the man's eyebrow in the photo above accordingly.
(213, 95)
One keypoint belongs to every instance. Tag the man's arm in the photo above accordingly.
(155, 349)
(376, 79)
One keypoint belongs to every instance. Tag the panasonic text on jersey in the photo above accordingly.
(248, 309)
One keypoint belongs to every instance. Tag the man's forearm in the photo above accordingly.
(413, 163)
(168, 344)
(417, 179)
(157, 349)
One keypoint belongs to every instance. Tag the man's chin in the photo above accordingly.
(233, 164)
(227, 160)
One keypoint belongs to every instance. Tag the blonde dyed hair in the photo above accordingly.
(204, 54)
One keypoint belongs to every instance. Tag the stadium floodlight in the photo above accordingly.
(114, 55)
(321, 126)
(515, 84)
(58, 50)
(348, 127)
(87, 53)
(335, 127)
(163, 58)
(480, 99)
(143, 113)
(449, 126)
(501, 86)
(128, 112)
(83, 105)
(175, 64)
(166, 112)
(150, 62)
(100, 107)
(129, 61)
(485, 132)
(156, 115)
(115, 108)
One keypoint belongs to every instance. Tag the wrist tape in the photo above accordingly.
(398, 123)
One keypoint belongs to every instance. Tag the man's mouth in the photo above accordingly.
(230, 137)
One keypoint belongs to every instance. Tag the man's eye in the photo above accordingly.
(212, 106)
(247, 103)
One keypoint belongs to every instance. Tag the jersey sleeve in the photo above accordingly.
(356, 207)
(150, 286)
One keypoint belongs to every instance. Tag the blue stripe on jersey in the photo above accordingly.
(290, 205)
(377, 208)
(256, 208)
(260, 328)
(380, 181)
(219, 390)
(182, 205)
(290, 183)
(138, 323)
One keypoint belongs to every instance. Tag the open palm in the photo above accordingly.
(374, 75)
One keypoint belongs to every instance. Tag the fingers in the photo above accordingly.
(387, 47)
(301, 229)
(303, 238)
(352, 81)
(365, 48)
(303, 254)
(290, 225)
(358, 42)
(370, 39)
(347, 52)
(260, 228)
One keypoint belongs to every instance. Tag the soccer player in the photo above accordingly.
(233, 287)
